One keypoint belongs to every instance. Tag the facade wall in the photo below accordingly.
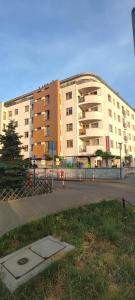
(101, 119)
(47, 120)
(21, 112)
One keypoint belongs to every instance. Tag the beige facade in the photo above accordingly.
(99, 118)
(20, 110)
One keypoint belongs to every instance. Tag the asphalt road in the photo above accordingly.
(74, 194)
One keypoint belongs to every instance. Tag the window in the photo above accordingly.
(16, 111)
(95, 108)
(69, 127)
(127, 111)
(132, 117)
(4, 115)
(47, 99)
(32, 146)
(119, 131)
(38, 143)
(94, 125)
(68, 95)
(26, 148)
(110, 128)
(115, 130)
(39, 114)
(26, 121)
(47, 130)
(47, 115)
(38, 128)
(4, 126)
(114, 116)
(69, 111)
(110, 112)
(128, 124)
(16, 123)
(118, 105)
(69, 143)
(10, 113)
(95, 142)
(119, 118)
(26, 108)
(109, 98)
(26, 134)
(114, 101)
(111, 144)
(32, 120)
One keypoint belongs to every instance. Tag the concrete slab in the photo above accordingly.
(22, 262)
(20, 266)
(47, 247)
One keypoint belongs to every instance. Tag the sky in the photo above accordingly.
(44, 40)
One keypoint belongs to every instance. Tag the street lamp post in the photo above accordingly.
(120, 146)
(34, 171)
(52, 160)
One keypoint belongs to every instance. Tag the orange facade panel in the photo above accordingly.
(52, 112)
(39, 106)
(38, 151)
(39, 121)
(39, 136)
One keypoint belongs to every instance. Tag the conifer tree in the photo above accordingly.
(13, 169)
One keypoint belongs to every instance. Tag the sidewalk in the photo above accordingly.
(18, 212)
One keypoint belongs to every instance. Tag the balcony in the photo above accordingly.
(88, 86)
(89, 100)
(82, 131)
(82, 149)
(94, 132)
(91, 116)
(91, 149)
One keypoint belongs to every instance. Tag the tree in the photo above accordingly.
(99, 153)
(13, 169)
(105, 155)
(11, 144)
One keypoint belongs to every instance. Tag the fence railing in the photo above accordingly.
(40, 187)
(81, 174)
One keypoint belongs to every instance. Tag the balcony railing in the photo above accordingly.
(82, 148)
(82, 131)
(81, 99)
(81, 115)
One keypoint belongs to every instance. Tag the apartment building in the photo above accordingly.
(37, 118)
(93, 117)
(72, 118)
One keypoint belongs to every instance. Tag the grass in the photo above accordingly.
(102, 266)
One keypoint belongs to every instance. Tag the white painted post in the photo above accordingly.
(93, 175)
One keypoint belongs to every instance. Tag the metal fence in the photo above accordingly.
(40, 187)
(81, 174)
